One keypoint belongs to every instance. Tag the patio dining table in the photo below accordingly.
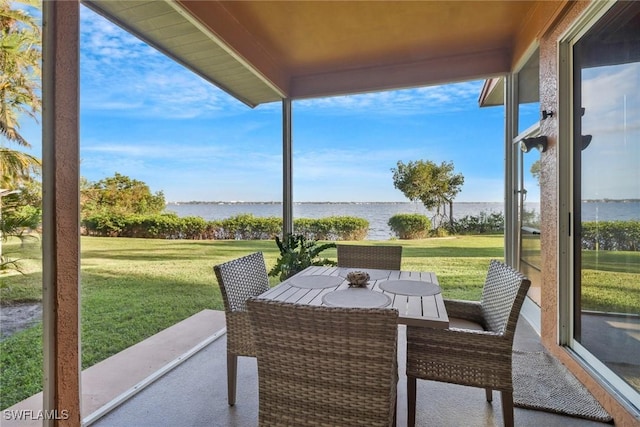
(415, 294)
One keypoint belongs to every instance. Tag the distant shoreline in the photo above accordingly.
(303, 203)
(232, 202)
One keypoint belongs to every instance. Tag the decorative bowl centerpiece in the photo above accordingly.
(358, 279)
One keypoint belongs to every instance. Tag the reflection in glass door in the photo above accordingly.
(527, 172)
(530, 262)
(606, 323)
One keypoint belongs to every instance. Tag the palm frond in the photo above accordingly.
(20, 58)
(16, 167)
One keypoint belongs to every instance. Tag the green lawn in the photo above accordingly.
(134, 288)
(611, 281)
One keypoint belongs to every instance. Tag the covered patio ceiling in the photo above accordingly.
(264, 51)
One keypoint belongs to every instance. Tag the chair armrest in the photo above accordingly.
(473, 358)
(469, 310)
(458, 343)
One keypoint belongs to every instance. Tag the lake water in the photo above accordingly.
(379, 213)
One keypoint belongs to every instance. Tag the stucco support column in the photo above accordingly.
(287, 168)
(60, 220)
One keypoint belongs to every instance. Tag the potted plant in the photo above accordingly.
(297, 253)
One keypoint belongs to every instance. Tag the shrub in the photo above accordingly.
(193, 227)
(101, 224)
(611, 235)
(485, 223)
(332, 228)
(239, 227)
(297, 253)
(349, 227)
(160, 226)
(410, 226)
(250, 227)
(531, 218)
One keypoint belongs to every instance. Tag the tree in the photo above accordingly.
(21, 214)
(435, 186)
(17, 168)
(119, 195)
(20, 56)
(535, 170)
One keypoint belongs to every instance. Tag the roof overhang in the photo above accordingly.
(180, 35)
(492, 92)
(264, 51)
(528, 79)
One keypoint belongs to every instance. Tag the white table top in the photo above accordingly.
(421, 307)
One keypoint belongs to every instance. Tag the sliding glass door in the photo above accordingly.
(606, 205)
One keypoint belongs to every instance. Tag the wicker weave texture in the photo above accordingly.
(473, 358)
(240, 279)
(325, 366)
(499, 295)
(388, 257)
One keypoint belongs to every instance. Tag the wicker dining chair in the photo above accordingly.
(387, 257)
(329, 366)
(240, 279)
(476, 350)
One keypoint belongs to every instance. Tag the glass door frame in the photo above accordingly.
(567, 258)
(513, 177)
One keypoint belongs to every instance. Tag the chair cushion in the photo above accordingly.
(458, 323)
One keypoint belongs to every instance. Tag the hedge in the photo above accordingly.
(611, 235)
(249, 227)
(602, 235)
(161, 226)
(332, 228)
(484, 223)
(240, 227)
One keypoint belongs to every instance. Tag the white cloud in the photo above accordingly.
(424, 100)
(240, 159)
(122, 75)
(157, 151)
(373, 164)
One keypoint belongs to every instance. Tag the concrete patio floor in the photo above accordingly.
(194, 394)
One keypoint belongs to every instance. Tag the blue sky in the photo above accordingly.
(146, 117)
